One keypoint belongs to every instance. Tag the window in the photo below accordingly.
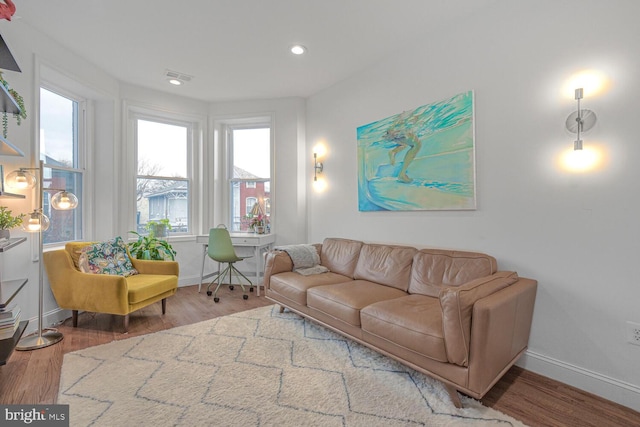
(61, 144)
(163, 190)
(249, 175)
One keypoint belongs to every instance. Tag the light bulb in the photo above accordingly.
(64, 200)
(33, 224)
(36, 222)
(21, 179)
(64, 203)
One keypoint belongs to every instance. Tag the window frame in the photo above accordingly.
(80, 148)
(258, 122)
(193, 127)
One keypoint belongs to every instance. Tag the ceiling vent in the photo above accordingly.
(177, 77)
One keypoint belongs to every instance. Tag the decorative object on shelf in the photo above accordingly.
(38, 222)
(7, 9)
(8, 221)
(19, 116)
(580, 120)
(151, 248)
(258, 221)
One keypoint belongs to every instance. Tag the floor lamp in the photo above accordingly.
(38, 222)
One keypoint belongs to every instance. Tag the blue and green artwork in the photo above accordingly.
(422, 159)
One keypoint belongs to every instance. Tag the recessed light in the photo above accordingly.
(177, 78)
(298, 49)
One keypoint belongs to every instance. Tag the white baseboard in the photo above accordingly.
(49, 320)
(618, 391)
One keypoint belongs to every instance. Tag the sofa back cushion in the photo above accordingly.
(434, 269)
(340, 255)
(385, 264)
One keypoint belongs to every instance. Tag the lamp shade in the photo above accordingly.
(21, 179)
(64, 201)
(36, 222)
(256, 209)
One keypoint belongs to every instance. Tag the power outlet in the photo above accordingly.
(633, 333)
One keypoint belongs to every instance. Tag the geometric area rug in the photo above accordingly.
(254, 368)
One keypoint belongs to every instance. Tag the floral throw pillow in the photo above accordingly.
(108, 257)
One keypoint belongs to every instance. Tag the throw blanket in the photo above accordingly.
(306, 260)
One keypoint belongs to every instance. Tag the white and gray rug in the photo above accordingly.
(255, 368)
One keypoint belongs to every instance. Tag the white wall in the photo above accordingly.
(38, 56)
(577, 234)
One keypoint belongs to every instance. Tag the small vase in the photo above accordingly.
(5, 234)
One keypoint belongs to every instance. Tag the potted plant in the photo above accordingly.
(8, 221)
(258, 223)
(19, 100)
(159, 228)
(151, 248)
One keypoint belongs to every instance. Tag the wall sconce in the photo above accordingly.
(38, 222)
(318, 167)
(580, 120)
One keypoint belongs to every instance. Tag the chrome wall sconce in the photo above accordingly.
(38, 222)
(580, 120)
(318, 167)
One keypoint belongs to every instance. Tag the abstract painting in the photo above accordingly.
(422, 159)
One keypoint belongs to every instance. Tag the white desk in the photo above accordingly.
(259, 243)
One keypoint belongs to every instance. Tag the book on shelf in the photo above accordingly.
(10, 329)
(10, 318)
(9, 312)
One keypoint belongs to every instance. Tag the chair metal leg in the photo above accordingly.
(238, 273)
(220, 280)
(229, 271)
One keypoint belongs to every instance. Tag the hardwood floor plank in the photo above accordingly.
(33, 377)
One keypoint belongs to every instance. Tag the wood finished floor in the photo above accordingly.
(32, 377)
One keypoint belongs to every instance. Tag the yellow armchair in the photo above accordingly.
(103, 293)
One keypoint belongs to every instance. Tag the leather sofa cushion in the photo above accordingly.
(340, 255)
(434, 269)
(385, 264)
(294, 286)
(457, 304)
(413, 322)
(344, 301)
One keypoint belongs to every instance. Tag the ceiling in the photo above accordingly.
(239, 49)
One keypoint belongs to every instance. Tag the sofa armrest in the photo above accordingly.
(275, 262)
(156, 267)
(500, 332)
(457, 303)
(74, 290)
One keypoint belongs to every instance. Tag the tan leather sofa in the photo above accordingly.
(449, 314)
